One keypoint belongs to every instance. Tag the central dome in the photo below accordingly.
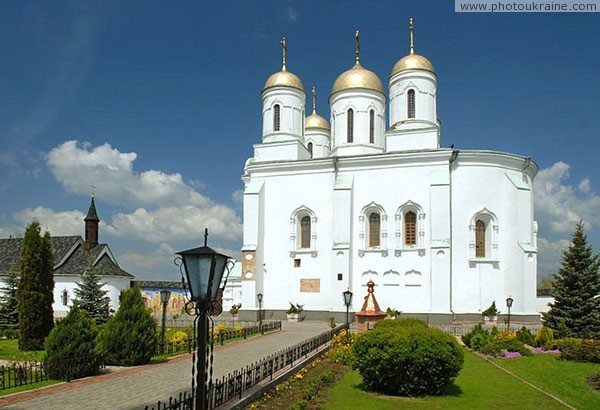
(357, 77)
(284, 78)
(314, 120)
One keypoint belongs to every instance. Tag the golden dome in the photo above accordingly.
(412, 62)
(357, 77)
(284, 78)
(314, 120)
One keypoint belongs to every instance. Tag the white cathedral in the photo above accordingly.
(371, 196)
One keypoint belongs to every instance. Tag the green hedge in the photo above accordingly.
(407, 360)
(579, 350)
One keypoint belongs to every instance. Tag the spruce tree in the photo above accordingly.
(35, 291)
(9, 312)
(576, 308)
(92, 298)
(129, 337)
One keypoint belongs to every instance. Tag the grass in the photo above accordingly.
(9, 350)
(564, 379)
(480, 385)
(29, 387)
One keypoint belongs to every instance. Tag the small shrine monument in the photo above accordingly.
(370, 312)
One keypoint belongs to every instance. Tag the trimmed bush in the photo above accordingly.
(496, 347)
(70, 350)
(404, 322)
(478, 331)
(407, 360)
(580, 350)
(544, 336)
(129, 337)
(525, 336)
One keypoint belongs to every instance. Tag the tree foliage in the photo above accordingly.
(129, 337)
(576, 308)
(9, 311)
(35, 291)
(92, 298)
(70, 347)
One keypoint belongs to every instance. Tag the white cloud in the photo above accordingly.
(57, 223)
(238, 196)
(559, 205)
(77, 165)
(166, 208)
(292, 14)
(550, 255)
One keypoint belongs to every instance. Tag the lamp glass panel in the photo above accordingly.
(220, 265)
(197, 269)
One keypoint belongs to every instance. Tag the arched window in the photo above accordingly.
(350, 125)
(372, 126)
(374, 230)
(310, 148)
(305, 232)
(480, 239)
(411, 103)
(65, 297)
(276, 117)
(410, 228)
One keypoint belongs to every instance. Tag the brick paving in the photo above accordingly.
(135, 387)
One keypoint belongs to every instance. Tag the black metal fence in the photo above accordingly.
(221, 337)
(21, 374)
(236, 383)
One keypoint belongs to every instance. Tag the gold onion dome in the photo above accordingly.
(413, 61)
(284, 78)
(314, 120)
(357, 76)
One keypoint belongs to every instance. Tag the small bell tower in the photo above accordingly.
(91, 226)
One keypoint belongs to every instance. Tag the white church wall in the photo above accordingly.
(113, 286)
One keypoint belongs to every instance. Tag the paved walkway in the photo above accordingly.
(145, 385)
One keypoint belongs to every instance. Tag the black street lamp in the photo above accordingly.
(509, 302)
(204, 269)
(259, 297)
(165, 295)
(347, 301)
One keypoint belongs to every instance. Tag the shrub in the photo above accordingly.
(70, 350)
(404, 322)
(505, 335)
(407, 360)
(580, 350)
(179, 340)
(478, 330)
(478, 341)
(543, 336)
(341, 350)
(496, 347)
(494, 332)
(525, 336)
(129, 337)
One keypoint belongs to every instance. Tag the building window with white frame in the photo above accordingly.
(305, 232)
(65, 297)
(374, 230)
(310, 149)
(410, 228)
(350, 125)
(479, 239)
(276, 117)
(411, 104)
(372, 126)
(484, 237)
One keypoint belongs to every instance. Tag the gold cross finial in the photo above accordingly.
(411, 29)
(284, 52)
(314, 98)
(357, 37)
(93, 187)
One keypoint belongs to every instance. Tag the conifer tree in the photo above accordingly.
(9, 312)
(576, 308)
(92, 298)
(35, 291)
(129, 337)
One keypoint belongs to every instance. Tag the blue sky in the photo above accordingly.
(158, 104)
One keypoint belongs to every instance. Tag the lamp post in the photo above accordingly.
(259, 297)
(204, 270)
(165, 295)
(509, 302)
(347, 301)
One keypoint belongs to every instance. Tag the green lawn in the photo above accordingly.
(564, 379)
(9, 350)
(480, 385)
